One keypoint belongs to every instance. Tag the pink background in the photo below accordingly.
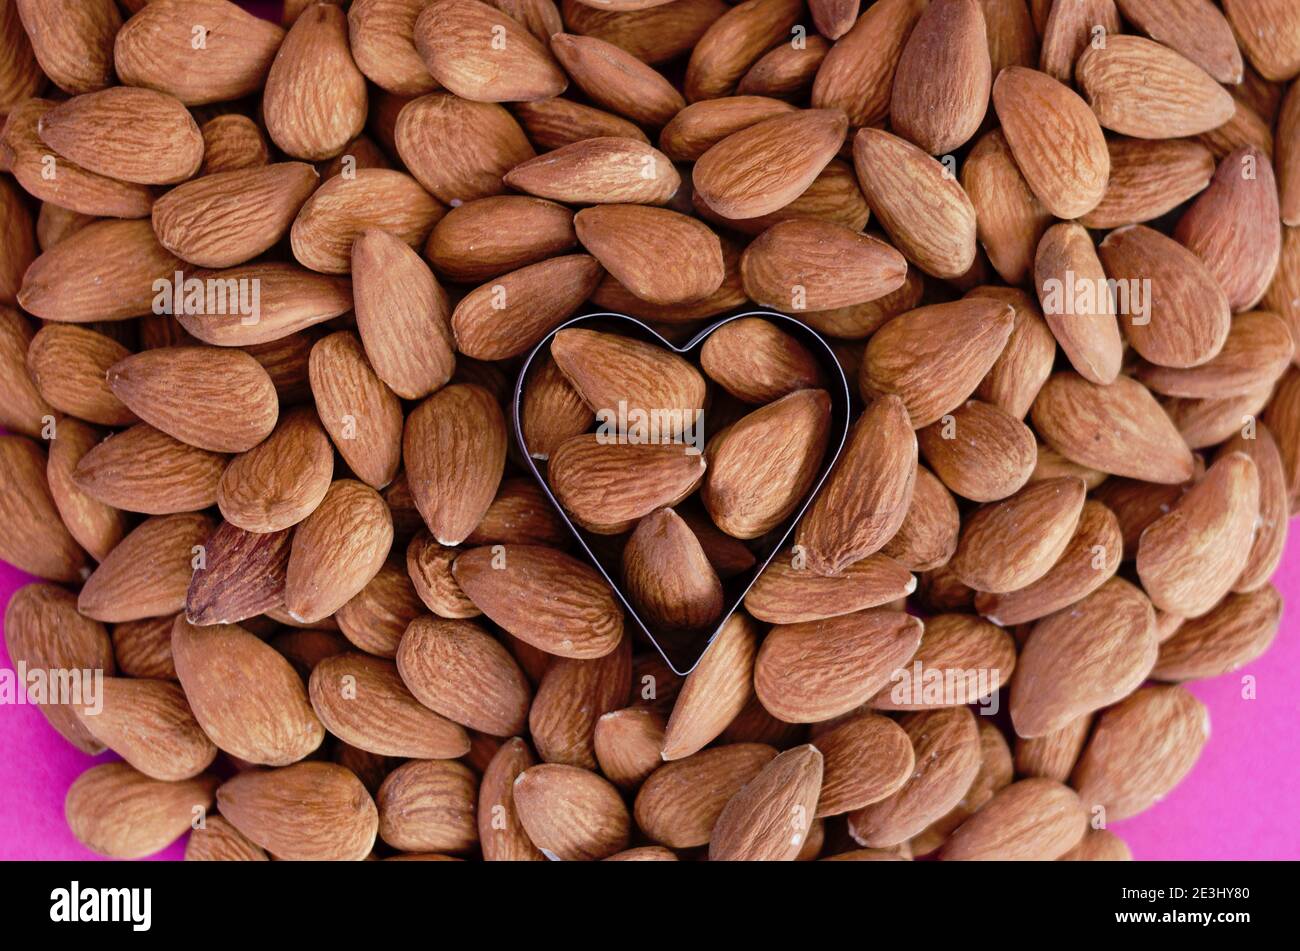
(1239, 802)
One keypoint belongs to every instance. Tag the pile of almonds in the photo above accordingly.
(265, 293)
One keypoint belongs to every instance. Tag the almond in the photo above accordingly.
(142, 469)
(1070, 28)
(668, 576)
(1140, 749)
(1232, 226)
(1189, 558)
(906, 358)
(1148, 179)
(149, 724)
(308, 811)
(147, 574)
(1266, 33)
(1077, 302)
(520, 514)
(865, 759)
(216, 399)
(1034, 819)
(458, 150)
(946, 750)
(226, 219)
(72, 187)
(337, 550)
(621, 238)
(1009, 218)
(608, 369)
(243, 575)
(429, 565)
(382, 36)
(980, 452)
(1232, 634)
(766, 463)
(572, 696)
(819, 669)
(867, 494)
(858, 72)
(491, 236)
(121, 813)
(156, 49)
(928, 535)
(232, 142)
(941, 85)
(458, 671)
(73, 41)
(733, 42)
(833, 197)
(971, 656)
(787, 592)
(553, 123)
(1256, 353)
(617, 80)
(375, 618)
(754, 171)
(1173, 96)
(1025, 362)
(1054, 754)
(291, 299)
(715, 691)
(508, 316)
(69, 365)
(918, 202)
(607, 486)
(1270, 527)
(757, 362)
(44, 631)
(769, 818)
(695, 129)
(1090, 558)
(315, 99)
(1083, 658)
(1198, 31)
(280, 481)
(501, 834)
(1099, 845)
(1044, 123)
(680, 802)
(95, 526)
(1119, 429)
(428, 806)
(20, 240)
(479, 53)
(997, 555)
(818, 265)
(105, 271)
(627, 744)
(20, 75)
(454, 445)
(357, 409)
(571, 814)
(1288, 159)
(514, 586)
(218, 841)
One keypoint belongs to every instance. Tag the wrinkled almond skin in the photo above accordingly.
(733, 42)
(494, 235)
(43, 630)
(619, 237)
(458, 150)
(95, 526)
(570, 813)
(429, 806)
(788, 592)
(864, 759)
(716, 691)
(1083, 658)
(819, 265)
(243, 574)
(1088, 332)
(149, 571)
(219, 841)
(756, 361)
(980, 452)
(1034, 819)
(813, 671)
(769, 818)
(69, 366)
(1236, 631)
(501, 834)
(1140, 749)
(120, 813)
(973, 656)
(1149, 178)
(668, 576)
(858, 72)
(35, 538)
(149, 724)
(680, 802)
(245, 694)
(282, 480)
(627, 744)
(571, 698)
(308, 811)
(143, 469)
(515, 585)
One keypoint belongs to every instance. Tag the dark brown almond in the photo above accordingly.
(242, 576)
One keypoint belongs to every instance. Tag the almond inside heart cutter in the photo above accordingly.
(682, 651)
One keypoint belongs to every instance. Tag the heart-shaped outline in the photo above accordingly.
(840, 409)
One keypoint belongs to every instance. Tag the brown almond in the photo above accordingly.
(996, 554)
(520, 514)
(1140, 749)
(788, 592)
(514, 586)
(337, 550)
(867, 494)
(357, 409)
(148, 573)
(1256, 353)
(242, 576)
(218, 841)
(1270, 528)
(980, 452)
(149, 724)
(213, 398)
(143, 469)
(770, 817)
(1189, 558)
(291, 299)
(69, 365)
(968, 656)
(1149, 178)
(491, 236)
(457, 149)
(481, 54)
(1059, 677)
(680, 802)
(816, 670)
(314, 102)
(617, 80)
(572, 696)
(121, 813)
(733, 42)
(1009, 218)
(858, 72)
(1034, 819)
(627, 744)
(381, 34)
(1054, 754)
(668, 577)
(44, 631)
(698, 127)
(429, 806)
(716, 691)
(95, 526)
(865, 759)
(1232, 634)
(1077, 302)
(307, 811)
(609, 369)
(246, 696)
(629, 241)
(231, 142)
(376, 617)
(928, 535)
(501, 834)
(757, 362)
(280, 481)
(553, 123)
(941, 85)
(571, 814)
(1198, 31)
(1138, 87)
(803, 263)
(1069, 28)
(750, 172)
(1119, 429)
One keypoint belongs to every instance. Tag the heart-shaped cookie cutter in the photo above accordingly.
(684, 655)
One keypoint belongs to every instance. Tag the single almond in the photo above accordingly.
(858, 72)
(571, 814)
(1149, 178)
(617, 80)
(667, 575)
(149, 724)
(770, 817)
(732, 43)
(69, 365)
(927, 537)
(980, 452)
(1077, 302)
(95, 526)
(788, 592)
(119, 812)
(491, 236)
(429, 806)
(804, 263)
(714, 692)
(970, 657)
(1009, 218)
(143, 469)
(148, 573)
(501, 834)
(1034, 819)
(865, 759)
(606, 486)
(621, 238)
(242, 575)
(695, 129)
(627, 744)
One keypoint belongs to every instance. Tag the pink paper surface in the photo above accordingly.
(1238, 803)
